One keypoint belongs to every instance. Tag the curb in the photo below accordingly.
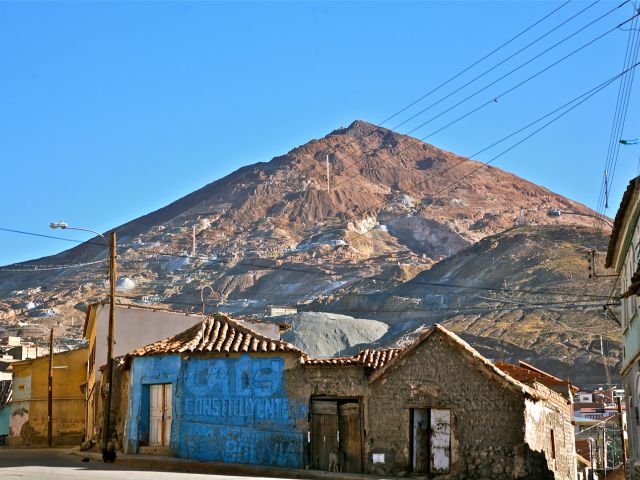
(149, 462)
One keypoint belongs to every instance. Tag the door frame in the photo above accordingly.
(345, 399)
(163, 421)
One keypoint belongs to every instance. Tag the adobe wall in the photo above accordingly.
(487, 419)
(231, 408)
(543, 418)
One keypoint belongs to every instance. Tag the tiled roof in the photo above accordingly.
(372, 359)
(218, 333)
(526, 373)
(619, 220)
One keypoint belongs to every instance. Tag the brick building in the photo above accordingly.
(220, 391)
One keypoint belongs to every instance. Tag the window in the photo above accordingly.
(553, 445)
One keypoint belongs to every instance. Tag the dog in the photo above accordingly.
(109, 453)
(336, 460)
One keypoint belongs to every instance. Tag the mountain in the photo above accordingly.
(271, 233)
(523, 294)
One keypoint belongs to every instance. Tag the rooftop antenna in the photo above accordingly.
(328, 188)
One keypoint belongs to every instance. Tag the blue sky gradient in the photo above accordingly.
(109, 110)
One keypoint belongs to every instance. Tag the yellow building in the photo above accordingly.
(29, 403)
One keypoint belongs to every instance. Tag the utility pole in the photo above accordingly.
(109, 372)
(606, 364)
(328, 189)
(50, 393)
(621, 425)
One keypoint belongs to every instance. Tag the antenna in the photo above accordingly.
(606, 189)
(606, 364)
(328, 188)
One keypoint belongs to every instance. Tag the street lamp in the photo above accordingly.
(553, 212)
(110, 336)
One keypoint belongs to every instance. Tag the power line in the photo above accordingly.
(599, 37)
(549, 32)
(619, 119)
(580, 99)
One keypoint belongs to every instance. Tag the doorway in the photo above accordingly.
(160, 414)
(430, 440)
(336, 426)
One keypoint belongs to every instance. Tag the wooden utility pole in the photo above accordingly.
(109, 371)
(621, 425)
(50, 394)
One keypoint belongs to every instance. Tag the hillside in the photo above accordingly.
(270, 233)
(521, 294)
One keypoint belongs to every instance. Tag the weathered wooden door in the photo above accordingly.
(324, 432)
(350, 436)
(160, 414)
(420, 440)
(440, 440)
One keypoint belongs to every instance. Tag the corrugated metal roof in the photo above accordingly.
(218, 333)
(372, 359)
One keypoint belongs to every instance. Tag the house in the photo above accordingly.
(135, 326)
(279, 310)
(623, 255)
(220, 391)
(5, 398)
(29, 402)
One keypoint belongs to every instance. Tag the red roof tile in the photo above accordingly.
(218, 333)
(372, 359)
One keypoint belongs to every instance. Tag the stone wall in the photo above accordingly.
(550, 435)
(487, 419)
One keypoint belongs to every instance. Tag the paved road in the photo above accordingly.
(43, 464)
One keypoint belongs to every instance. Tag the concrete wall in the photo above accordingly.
(231, 409)
(29, 407)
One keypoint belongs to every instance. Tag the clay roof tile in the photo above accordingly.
(217, 333)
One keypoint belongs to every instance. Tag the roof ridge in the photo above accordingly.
(216, 333)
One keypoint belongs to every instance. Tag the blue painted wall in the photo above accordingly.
(4, 419)
(224, 409)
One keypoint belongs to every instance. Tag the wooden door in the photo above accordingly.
(440, 440)
(159, 414)
(350, 436)
(420, 440)
(324, 432)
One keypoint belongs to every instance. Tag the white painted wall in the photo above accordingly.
(137, 327)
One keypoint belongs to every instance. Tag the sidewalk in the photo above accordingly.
(173, 464)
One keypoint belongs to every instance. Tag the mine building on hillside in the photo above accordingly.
(220, 391)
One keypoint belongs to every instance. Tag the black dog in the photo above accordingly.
(109, 453)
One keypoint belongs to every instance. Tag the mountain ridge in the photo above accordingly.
(270, 233)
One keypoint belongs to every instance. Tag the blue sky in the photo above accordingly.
(109, 110)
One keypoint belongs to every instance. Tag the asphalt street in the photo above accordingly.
(54, 464)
